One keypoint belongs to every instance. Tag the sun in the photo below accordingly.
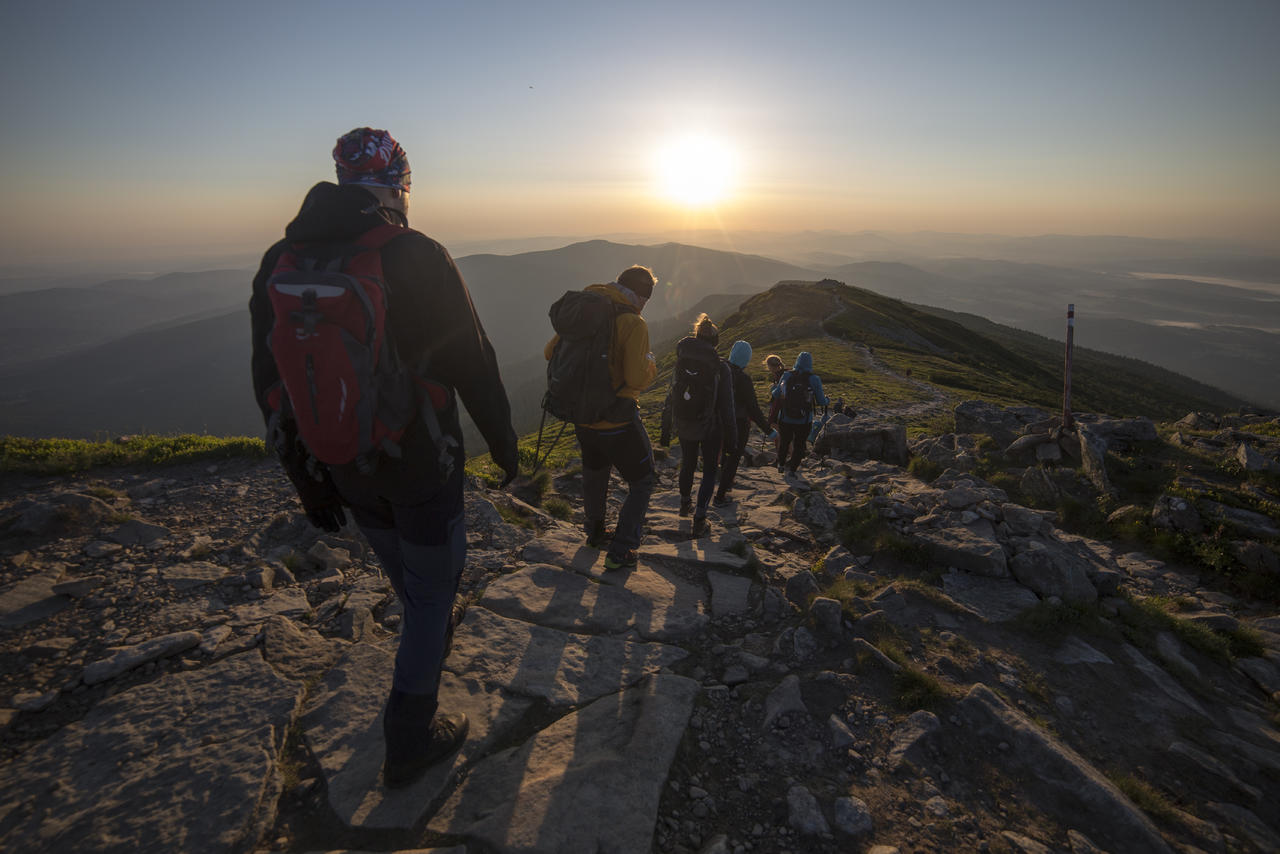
(695, 170)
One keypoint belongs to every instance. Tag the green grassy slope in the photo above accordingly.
(879, 353)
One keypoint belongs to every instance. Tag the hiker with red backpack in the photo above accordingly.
(364, 340)
(598, 364)
(746, 409)
(797, 392)
(699, 408)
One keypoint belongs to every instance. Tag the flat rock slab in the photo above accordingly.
(697, 554)
(188, 576)
(730, 594)
(289, 602)
(1056, 778)
(296, 653)
(185, 763)
(564, 547)
(657, 608)
(129, 657)
(588, 783)
(965, 549)
(32, 599)
(1162, 680)
(343, 727)
(565, 669)
(1075, 651)
(996, 599)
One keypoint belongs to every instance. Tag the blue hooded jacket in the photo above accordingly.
(804, 362)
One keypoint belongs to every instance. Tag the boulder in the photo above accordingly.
(813, 509)
(1093, 457)
(1004, 424)
(856, 439)
(1052, 570)
(1251, 460)
(1120, 434)
(970, 549)
(838, 561)
(1247, 522)
(1175, 513)
(1197, 421)
(1253, 555)
(1027, 448)
(1039, 487)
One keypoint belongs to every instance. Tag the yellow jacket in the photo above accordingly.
(631, 365)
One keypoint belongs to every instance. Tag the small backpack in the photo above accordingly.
(579, 384)
(797, 396)
(342, 382)
(693, 387)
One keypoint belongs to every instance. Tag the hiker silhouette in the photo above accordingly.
(699, 409)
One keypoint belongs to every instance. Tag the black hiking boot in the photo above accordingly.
(456, 615)
(417, 737)
(699, 526)
(721, 499)
(598, 536)
(686, 505)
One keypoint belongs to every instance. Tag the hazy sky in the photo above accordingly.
(167, 129)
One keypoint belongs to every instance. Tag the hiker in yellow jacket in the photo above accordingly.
(619, 440)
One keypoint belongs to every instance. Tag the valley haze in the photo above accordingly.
(85, 356)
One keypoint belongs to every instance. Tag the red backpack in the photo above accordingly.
(342, 381)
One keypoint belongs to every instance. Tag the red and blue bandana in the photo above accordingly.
(373, 158)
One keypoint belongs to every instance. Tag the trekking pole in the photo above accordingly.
(537, 451)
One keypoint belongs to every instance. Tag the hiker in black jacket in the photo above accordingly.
(699, 408)
(409, 508)
(746, 409)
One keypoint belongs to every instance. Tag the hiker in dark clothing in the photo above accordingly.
(619, 440)
(409, 508)
(699, 408)
(773, 364)
(798, 391)
(746, 409)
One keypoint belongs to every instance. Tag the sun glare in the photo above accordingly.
(695, 170)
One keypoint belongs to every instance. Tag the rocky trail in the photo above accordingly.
(187, 666)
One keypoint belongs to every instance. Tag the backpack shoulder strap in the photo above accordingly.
(380, 235)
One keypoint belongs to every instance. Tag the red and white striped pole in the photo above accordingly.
(1066, 386)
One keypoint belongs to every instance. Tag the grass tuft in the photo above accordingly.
(558, 508)
(1147, 798)
(64, 456)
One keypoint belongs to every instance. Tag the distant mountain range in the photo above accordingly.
(171, 353)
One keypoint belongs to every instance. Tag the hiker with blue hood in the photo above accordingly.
(699, 408)
(745, 409)
(799, 391)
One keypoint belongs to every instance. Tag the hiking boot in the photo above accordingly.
(699, 526)
(721, 500)
(626, 560)
(456, 614)
(598, 536)
(686, 505)
(416, 736)
(410, 760)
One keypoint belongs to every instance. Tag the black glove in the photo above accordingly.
(329, 517)
(319, 497)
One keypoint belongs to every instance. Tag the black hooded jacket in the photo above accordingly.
(431, 318)
(724, 422)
